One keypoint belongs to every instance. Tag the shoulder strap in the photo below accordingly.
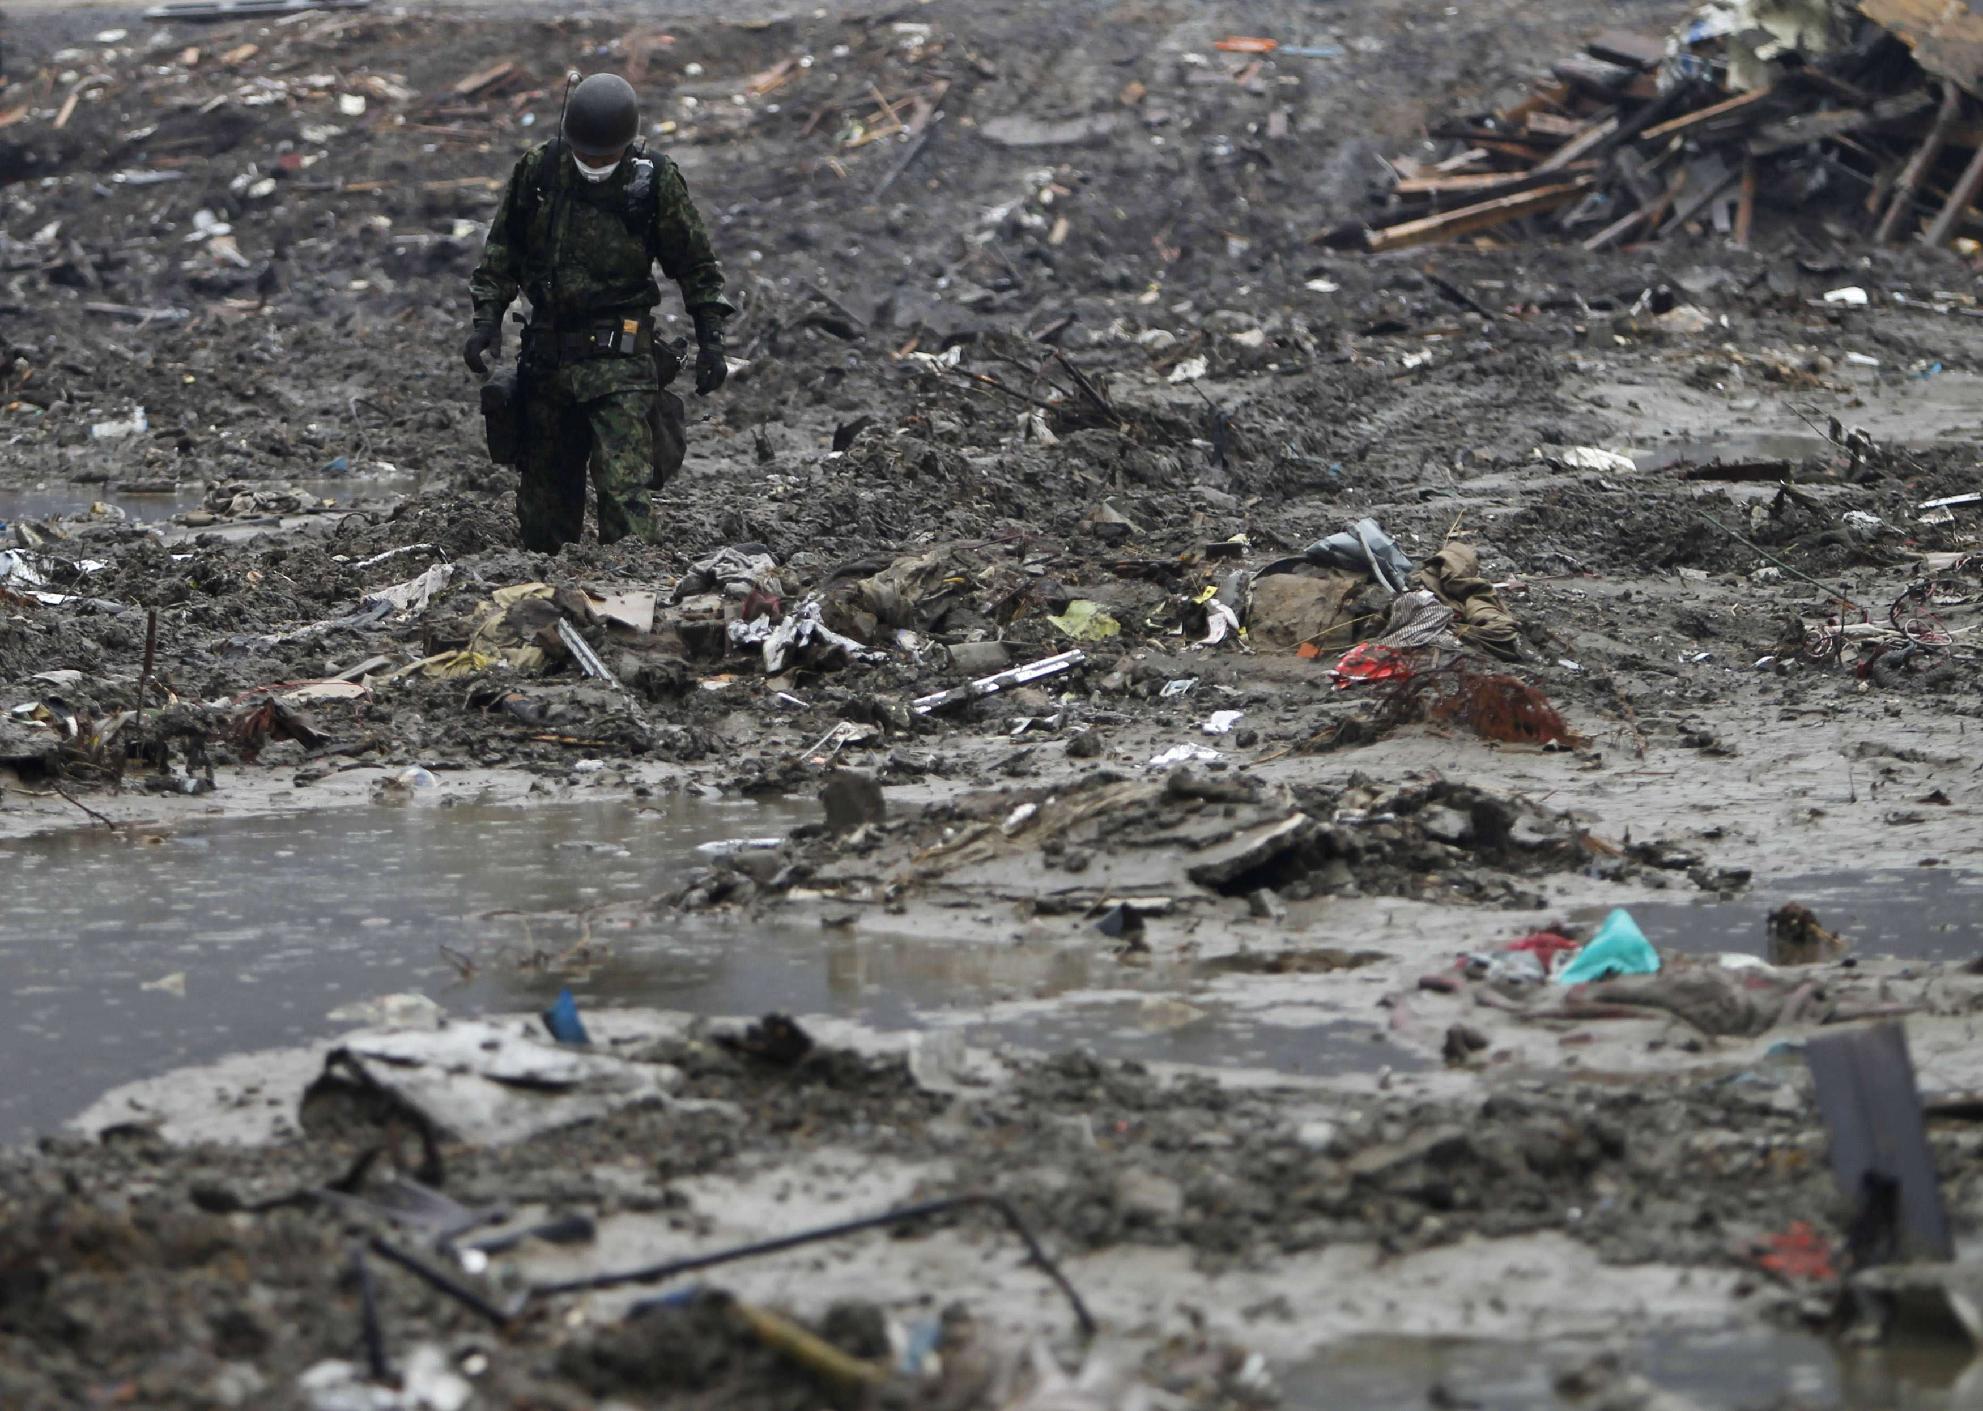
(547, 172)
(536, 193)
(644, 197)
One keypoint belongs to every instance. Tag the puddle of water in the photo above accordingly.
(1914, 913)
(1716, 1371)
(270, 924)
(1198, 1031)
(56, 501)
(1727, 450)
(274, 922)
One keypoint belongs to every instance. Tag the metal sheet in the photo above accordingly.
(1879, 1143)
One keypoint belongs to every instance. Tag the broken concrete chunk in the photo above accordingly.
(1148, 1196)
(1250, 851)
(22, 745)
(486, 1083)
(1445, 825)
(852, 800)
(1375, 1161)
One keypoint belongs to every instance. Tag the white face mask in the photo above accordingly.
(592, 173)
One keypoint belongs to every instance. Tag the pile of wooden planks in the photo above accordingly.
(1634, 140)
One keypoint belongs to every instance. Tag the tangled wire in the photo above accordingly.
(1494, 706)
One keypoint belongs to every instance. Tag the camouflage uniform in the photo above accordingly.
(594, 267)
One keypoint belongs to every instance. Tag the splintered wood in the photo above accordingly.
(483, 80)
(1631, 141)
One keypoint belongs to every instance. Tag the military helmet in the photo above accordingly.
(603, 117)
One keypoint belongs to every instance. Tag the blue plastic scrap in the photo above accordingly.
(1618, 948)
(1363, 548)
(563, 1021)
(919, 1344)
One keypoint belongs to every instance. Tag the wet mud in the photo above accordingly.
(1199, 960)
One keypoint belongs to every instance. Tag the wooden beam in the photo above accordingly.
(483, 79)
(1727, 107)
(1544, 124)
(1525, 153)
(1918, 165)
(1745, 210)
(1616, 230)
(1803, 129)
(1967, 135)
(1571, 151)
(1850, 94)
(1594, 75)
(1545, 96)
(1485, 137)
(1460, 160)
(1483, 216)
(1959, 201)
(1644, 52)
(1499, 183)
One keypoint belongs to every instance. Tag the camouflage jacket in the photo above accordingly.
(594, 265)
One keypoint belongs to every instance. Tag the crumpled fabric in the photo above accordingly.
(733, 571)
(910, 591)
(517, 623)
(1368, 663)
(1363, 548)
(1618, 948)
(874, 599)
(1453, 576)
(1418, 619)
(1711, 999)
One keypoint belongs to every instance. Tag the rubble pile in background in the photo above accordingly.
(1865, 115)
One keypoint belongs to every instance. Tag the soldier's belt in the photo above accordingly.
(607, 338)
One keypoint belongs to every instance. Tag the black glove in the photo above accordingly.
(712, 365)
(486, 338)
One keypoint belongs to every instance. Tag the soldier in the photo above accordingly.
(583, 220)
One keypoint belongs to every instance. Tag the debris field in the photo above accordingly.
(1320, 511)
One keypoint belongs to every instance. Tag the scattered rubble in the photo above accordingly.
(1123, 582)
(1851, 110)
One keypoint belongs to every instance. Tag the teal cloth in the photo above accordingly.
(1618, 948)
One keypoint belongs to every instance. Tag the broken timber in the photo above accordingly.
(1624, 146)
(1917, 166)
(998, 681)
(1484, 215)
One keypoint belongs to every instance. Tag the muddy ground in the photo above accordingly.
(964, 404)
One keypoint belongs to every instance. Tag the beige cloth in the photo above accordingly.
(1288, 609)
(1453, 576)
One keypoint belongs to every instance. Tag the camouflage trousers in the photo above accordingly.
(609, 415)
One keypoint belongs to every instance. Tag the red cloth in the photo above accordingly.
(1799, 1252)
(1547, 945)
(1367, 662)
